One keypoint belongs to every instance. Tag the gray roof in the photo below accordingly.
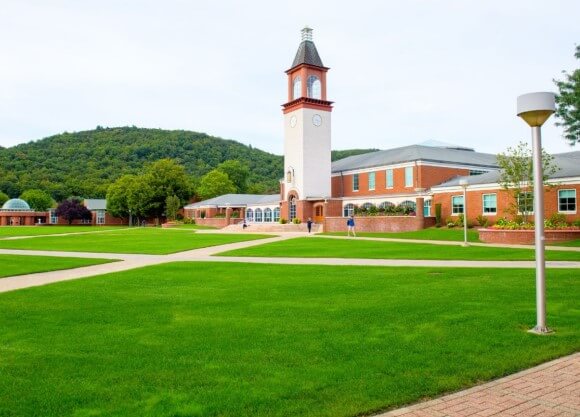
(416, 153)
(95, 203)
(307, 54)
(237, 200)
(569, 164)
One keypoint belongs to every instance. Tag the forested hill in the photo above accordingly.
(86, 163)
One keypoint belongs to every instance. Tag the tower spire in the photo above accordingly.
(306, 33)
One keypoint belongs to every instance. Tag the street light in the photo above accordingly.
(535, 109)
(463, 183)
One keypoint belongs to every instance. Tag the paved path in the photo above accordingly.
(549, 390)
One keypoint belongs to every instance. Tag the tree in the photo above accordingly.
(3, 198)
(166, 178)
(568, 103)
(517, 176)
(237, 172)
(38, 200)
(172, 205)
(73, 209)
(130, 196)
(215, 183)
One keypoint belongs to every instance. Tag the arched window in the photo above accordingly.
(367, 206)
(292, 213)
(249, 215)
(410, 205)
(258, 215)
(277, 214)
(289, 176)
(348, 210)
(296, 88)
(385, 205)
(268, 215)
(314, 87)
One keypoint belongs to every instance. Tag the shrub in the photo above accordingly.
(449, 222)
(283, 220)
(438, 214)
(576, 223)
(296, 220)
(188, 220)
(482, 220)
(235, 215)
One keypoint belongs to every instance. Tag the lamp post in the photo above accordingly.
(535, 109)
(463, 183)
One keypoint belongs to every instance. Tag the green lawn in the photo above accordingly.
(320, 247)
(572, 243)
(138, 240)
(20, 264)
(9, 231)
(433, 233)
(216, 339)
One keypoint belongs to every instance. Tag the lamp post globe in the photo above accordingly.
(535, 109)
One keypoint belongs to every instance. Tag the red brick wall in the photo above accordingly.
(525, 237)
(423, 177)
(379, 223)
(504, 200)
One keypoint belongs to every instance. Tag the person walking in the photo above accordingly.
(350, 226)
(309, 224)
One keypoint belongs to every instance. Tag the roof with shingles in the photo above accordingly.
(568, 164)
(414, 153)
(307, 54)
(236, 200)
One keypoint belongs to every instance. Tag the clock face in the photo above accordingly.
(316, 120)
(293, 121)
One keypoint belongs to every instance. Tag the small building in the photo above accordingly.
(17, 212)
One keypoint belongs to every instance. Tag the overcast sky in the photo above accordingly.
(402, 72)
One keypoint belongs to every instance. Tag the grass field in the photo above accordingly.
(265, 340)
(9, 231)
(319, 247)
(572, 244)
(20, 265)
(139, 240)
(433, 233)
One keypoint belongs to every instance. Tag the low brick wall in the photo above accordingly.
(219, 222)
(525, 237)
(379, 223)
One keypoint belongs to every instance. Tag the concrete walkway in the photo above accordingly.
(549, 390)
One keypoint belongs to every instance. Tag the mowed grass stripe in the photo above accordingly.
(11, 231)
(320, 247)
(11, 265)
(209, 339)
(432, 233)
(138, 240)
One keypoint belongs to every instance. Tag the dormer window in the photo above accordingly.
(296, 88)
(314, 87)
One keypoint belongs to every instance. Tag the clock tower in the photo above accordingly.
(307, 162)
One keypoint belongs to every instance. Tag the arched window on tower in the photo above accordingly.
(314, 87)
(296, 88)
(292, 208)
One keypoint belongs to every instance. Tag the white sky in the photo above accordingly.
(402, 72)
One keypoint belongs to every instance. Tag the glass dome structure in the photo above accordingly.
(16, 204)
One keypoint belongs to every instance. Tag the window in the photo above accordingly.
(258, 215)
(567, 201)
(385, 205)
(371, 180)
(100, 216)
(53, 217)
(249, 215)
(296, 88)
(348, 210)
(427, 208)
(268, 215)
(292, 213)
(389, 178)
(86, 221)
(367, 206)
(314, 87)
(408, 176)
(476, 172)
(457, 205)
(355, 182)
(408, 204)
(489, 204)
(526, 202)
(277, 214)
(289, 176)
